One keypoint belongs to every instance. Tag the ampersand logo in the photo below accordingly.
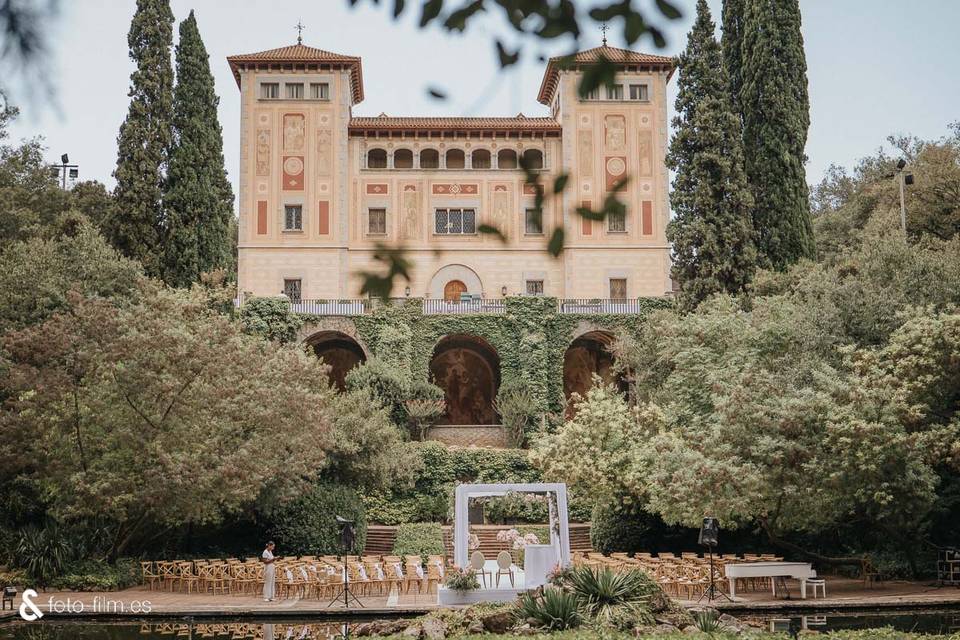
(34, 610)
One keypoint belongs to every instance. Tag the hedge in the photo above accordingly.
(95, 575)
(419, 539)
(308, 525)
(442, 468)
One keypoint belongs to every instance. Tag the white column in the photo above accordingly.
(461, 526)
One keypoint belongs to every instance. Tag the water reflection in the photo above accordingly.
(185, 630)
(942, 622)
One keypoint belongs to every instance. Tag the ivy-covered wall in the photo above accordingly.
(530, 338)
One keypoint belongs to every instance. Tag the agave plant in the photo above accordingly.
(706, 621)
(555, 610)
(605, 594)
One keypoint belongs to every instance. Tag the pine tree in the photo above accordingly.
(711, 233)
(199, 200)
(776, 117)
(144, 141)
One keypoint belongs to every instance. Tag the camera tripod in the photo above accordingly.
(345, 593)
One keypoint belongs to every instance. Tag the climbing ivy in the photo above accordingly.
(530, 338)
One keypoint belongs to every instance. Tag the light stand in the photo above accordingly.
(709, 536)
(347, 538)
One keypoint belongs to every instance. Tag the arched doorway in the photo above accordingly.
(449, 276)
(589, 354)
(338, 351)
(452, 290)
(467, 368)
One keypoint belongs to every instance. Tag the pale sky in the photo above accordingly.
(875, 67)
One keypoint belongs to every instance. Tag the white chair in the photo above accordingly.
(478, 562)
(818, 582)
(504, 567)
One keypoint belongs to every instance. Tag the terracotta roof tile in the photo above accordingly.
(517, 123)
(592, 56)
(302, 54)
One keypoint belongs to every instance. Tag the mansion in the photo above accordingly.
(321, 189)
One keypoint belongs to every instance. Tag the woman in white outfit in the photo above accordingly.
(269, 573)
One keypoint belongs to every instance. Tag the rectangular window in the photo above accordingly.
(377, 221)
(533, 222)
(294, 91)
(455, 222)
(269, 90)
(618, 288)
(615, 92)
(617, 222)
(319, 91)
(593, 95)
(293, 217)
(639, 92)
(534, 287)
(291, 289)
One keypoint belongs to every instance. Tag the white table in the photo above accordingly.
(538, 561)
(801, 571)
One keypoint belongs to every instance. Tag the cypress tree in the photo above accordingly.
(144, 141)
(776, 117)
(711, 232)
(732, 26)
(199, 200)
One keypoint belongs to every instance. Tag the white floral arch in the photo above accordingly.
(556, 493)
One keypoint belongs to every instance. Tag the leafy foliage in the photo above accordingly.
(42, 552)
(197, 199)
(156, 414)
(308, 524)
(461, 580)
(775, 107)
(271, 319)
(419, 539)
(711, 231)
(614, 528)
(517, 408)
(145, 138)
(37, 274)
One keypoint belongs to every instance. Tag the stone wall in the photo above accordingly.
(469, 435)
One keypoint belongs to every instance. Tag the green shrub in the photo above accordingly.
(308, 526)
(93, 575)
(385, 384)
(14, 578)
(419, 539)
(517, 407)
(270, 318)
(554, 610)
(42, 553)
(624, 530)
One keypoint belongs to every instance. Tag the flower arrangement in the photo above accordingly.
(473, 542)
(461, 580)
(518, 541)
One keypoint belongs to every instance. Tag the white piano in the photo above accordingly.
(801, 571)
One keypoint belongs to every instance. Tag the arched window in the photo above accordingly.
(377, 159)
(533, 159)
(507, 159)
(455, 159)
(403, 159)
(480, 159)
(429, 159)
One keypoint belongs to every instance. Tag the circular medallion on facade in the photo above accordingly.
(324, 119)
(616, 166)
(261, 187)
(586, 187)
(264, 118)
(324, 187)
(646, 186)
(293, 166)
(645, 119)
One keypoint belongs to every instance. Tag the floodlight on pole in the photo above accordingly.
(61, 170)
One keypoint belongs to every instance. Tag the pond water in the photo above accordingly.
(930, 621)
